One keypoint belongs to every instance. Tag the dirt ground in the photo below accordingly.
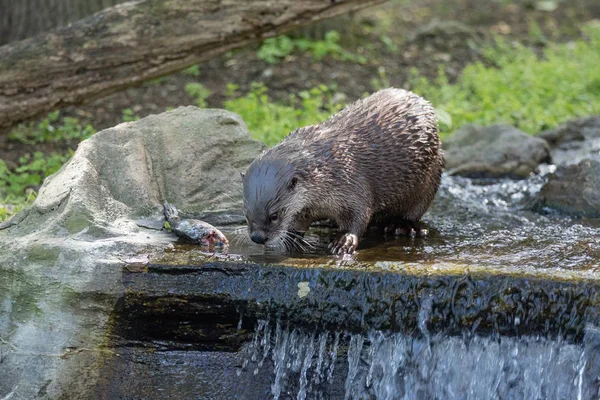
(421, 34)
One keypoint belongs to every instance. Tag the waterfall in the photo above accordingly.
(378, 365)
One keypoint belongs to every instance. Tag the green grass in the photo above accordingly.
(521, 88)
(128, 115)
(194, 70)
(17, 186)
(274, 50)
(199, 92)
(269, 121)
(48, 130)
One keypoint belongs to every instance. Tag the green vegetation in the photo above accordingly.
(269, 121)
(129, 115)
(48, 130)
(274, 50)
(199, 92)
(18, 185)
(521, 89)
(194, 70)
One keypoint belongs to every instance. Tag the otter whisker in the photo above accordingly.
(302, 239)
(299, 241)
(241, 239)
(285, 241)
(292, 244)
(282, 242)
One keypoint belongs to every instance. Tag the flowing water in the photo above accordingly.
(500, 302)
(479, 223)
(378, 365)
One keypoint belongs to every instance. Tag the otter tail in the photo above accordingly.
(170, 212)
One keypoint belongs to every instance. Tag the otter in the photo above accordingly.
(376, 161)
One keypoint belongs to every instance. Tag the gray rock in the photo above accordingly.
(573, 189)
(440, 28)
(494, 151)
(61, 260)
(574, 141)
(188, 156)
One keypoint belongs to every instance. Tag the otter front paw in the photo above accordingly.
(344, 244)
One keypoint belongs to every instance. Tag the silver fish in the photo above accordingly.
(193, 230)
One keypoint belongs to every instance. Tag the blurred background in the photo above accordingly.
(529, 63)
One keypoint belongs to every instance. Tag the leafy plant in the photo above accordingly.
(11, 205)
(522, 90)
(194, 70)
(129, 115)
(199, 92)
(274, 50)
(50, 130)
(17, 188)
(269, 121)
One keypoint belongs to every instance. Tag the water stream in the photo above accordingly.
(499, 302)
(379, 365)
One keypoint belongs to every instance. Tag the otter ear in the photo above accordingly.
(293, 183)
(242, 174)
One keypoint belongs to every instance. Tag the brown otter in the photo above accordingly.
(378, 159)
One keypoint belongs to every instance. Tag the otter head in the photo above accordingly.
(272, 198)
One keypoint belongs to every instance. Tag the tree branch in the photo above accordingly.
(136, 41)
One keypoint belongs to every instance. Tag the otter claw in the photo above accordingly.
(345, 244)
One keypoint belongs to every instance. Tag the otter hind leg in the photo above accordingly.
(399, 226)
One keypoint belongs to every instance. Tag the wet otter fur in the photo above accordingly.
(378, 160)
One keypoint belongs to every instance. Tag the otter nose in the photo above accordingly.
(258, 237)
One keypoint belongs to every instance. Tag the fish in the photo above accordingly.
(193, 230)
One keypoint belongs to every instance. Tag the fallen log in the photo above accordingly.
(125, 45)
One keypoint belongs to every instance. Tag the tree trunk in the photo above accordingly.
(136, 41)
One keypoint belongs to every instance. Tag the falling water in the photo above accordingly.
(378, 365)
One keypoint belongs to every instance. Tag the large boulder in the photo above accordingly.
(189, 156)
(494, 151)
(573, 189)
(574, 141)
(62, 260)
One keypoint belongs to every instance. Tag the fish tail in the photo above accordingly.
(170, 211)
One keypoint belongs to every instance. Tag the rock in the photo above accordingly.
(62, 260)
(574, 141)
(444, 29)
(189, 156)
(494, 151)
(573, 189)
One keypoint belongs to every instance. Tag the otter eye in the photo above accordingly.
(274, 217)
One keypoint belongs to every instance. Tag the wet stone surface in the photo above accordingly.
(507, 296)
